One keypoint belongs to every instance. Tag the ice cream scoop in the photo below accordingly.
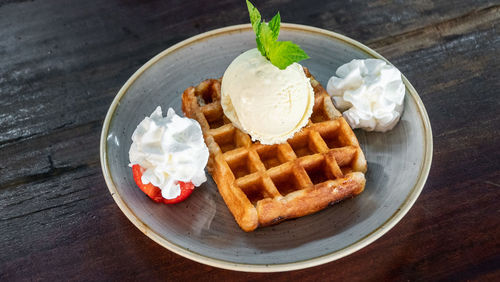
(268, 103)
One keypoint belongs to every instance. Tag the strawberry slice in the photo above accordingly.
(155, 193)
(186, 190)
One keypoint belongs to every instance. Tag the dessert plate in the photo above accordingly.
(202, 228)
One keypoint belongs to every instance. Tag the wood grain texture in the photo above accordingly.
(62, 63)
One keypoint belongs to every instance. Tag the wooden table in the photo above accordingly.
(62, 63)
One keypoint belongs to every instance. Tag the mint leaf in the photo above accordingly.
(280, 53)
(285, 53)
(274, 25)
(260, 46)
(256, 25)
(254, 17)
(266, 38)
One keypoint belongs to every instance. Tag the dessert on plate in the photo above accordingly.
(278, 147)
(265, 184)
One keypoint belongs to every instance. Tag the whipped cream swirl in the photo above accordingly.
(169, 149)
(369, 92)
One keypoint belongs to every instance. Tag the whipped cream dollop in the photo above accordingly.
(169, 149)
(369, 92)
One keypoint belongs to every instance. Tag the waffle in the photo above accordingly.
(265, 184)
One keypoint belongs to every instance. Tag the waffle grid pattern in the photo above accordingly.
(265, 184)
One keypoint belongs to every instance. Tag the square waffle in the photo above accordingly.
(265, 184)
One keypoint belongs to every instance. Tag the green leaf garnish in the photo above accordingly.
(280, 53)
(274, 25)
(254, 16)
(284, 53)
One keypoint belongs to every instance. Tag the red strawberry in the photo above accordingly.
(155, 193)
(186, 190)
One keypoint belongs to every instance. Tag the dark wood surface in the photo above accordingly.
(62, 63)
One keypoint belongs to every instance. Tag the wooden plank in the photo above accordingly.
(483, 19)
(37, 158)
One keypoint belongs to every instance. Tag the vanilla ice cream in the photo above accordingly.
(268, 103)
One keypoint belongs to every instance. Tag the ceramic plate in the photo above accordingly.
(202, 228)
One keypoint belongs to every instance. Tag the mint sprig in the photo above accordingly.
(280, 53)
